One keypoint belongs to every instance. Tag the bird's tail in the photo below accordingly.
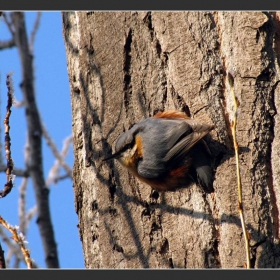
(202, 161)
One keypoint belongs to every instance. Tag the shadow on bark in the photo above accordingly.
(115, 189)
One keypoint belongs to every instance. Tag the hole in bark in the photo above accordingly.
(146, 212)
(257, 36)
(265, 75)
(112, 190)
(77, 90)
(253, 250)
(170, 261)
(158, 48)
(94, 205)
(89, 14)
(211, 257)
(155, 195)
(113, 211)
(118, 248)
(94, 237)
(164, 247)
(155, 227)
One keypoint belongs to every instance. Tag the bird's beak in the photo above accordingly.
(113, 156)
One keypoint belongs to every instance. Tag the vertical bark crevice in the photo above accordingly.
(264, 131)
(272, 73)
(126, 69)
(148, 21)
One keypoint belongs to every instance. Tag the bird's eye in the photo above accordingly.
(126, 147)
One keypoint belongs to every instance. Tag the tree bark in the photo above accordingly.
(124, 66)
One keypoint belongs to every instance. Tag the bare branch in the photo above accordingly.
(58, 156)
(17, 261)
(24, 217)
(10, 165)
(60, 178)
(9, 242)
(9, 24)
(19, 238)
(34, 31)
(7, 44)
(16, 172)
(13, 250)
(18, 104)
(31, 213)
(54, 176)
(22, 203)
(34, 162)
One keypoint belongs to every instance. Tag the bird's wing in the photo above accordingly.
(193, 131)
(177, 132)
(152, 164)
(178, 141)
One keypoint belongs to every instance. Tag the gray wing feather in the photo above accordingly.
(176, 147)
(177, 132)
(184, 145)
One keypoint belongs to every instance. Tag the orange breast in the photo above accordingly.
(139, 150)
(174, 179)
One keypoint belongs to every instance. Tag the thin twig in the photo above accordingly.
(239, 185)
(30, 214)
(10, 165)
(18, 104)
(34, 31)
(21, 204)
(55, 151)
(13, 250)
(54, 176)
(7, 44)
(60, 178)
(9, 24)
(24, 218)
(16, 172)
(18, 238)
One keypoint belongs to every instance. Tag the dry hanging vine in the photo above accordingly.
(239, 185)
(10, 165)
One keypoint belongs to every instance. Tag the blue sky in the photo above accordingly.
(53, 100)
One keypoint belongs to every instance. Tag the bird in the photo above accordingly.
(167, 151)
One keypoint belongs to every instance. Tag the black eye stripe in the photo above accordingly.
(127, 146)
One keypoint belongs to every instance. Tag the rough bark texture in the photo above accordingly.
(124, 66)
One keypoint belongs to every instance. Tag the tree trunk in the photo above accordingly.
(124, 66)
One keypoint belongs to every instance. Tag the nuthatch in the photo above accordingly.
(166, 150)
